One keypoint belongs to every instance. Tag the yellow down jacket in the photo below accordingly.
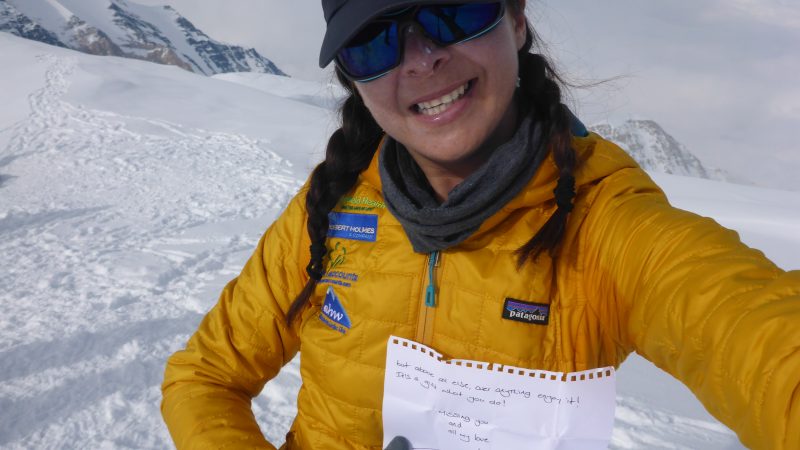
(633, 274)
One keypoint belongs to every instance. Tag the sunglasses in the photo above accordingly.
(378, 47)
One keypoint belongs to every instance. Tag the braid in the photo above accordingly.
(540, 82)
(349, 152)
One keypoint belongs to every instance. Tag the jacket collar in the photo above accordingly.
(597, 158)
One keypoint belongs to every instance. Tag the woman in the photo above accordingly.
(458, 182)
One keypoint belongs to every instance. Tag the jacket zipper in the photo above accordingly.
(427, 308)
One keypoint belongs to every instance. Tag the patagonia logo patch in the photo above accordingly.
(358, 227)
(527, 312)
(333, 313)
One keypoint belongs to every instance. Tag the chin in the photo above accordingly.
(459, 160)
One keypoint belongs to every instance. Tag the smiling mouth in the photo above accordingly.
(441, 104)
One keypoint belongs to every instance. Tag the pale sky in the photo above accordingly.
(721, 76)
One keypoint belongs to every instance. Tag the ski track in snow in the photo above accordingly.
(106, 271)
(116, 234)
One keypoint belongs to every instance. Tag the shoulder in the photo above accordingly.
(613, 193)
(604, 166)
(599, 157)
(295, 210)
(287, 236)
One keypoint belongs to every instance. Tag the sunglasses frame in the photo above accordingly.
(409, 16)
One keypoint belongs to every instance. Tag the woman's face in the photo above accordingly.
(474, 82)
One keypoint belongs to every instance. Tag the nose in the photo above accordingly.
(421, 56)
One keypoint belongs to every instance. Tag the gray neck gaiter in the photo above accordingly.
(432, 226)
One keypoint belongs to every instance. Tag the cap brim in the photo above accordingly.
(354, 14)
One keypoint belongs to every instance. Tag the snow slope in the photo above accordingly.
(131, 192)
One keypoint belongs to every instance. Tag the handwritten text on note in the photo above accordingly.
(471, 405)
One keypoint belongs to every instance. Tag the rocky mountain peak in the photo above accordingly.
(655, 149)
(128, 29)
(14, 22)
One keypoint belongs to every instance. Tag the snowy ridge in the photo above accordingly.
(126, 204)
(323, 96)
(654, 149)
(127, 29)
(14, 22)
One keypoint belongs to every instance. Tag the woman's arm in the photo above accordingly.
(694, 300)
(240, 344)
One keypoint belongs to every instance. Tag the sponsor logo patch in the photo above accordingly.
(360, 204)
(357, 227)
(339, 278)
(333, 313)
(527, 312)
(337, 257)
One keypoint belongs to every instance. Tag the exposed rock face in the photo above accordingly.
(89, 39)
(14, 22)
(654, 149)
(168, 56)
(227, 58)
(127, 29)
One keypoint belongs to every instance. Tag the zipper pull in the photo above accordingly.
(430, 292)
(430, 296)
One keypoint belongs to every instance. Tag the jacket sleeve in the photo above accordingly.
(240, 344)
(685, 293)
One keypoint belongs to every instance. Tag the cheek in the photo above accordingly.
(496, 54)
(377, 94)
(380, 102)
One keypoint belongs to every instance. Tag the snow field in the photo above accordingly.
(131, 193)
(116, 234)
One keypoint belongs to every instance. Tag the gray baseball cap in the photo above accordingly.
(346, 17)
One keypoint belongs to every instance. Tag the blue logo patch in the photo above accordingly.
(358, 227)
(333, 313)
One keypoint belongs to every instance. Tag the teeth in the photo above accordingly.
(441, 104)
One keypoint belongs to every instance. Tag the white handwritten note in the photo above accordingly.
(472, 405)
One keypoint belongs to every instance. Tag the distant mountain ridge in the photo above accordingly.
(127, 29)
(655, 149)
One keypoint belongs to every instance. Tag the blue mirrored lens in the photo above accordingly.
(376, 49)
(449, 24)
(373, 50)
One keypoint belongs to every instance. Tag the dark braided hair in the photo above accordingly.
(542, 84)
(352, 147)
(349, 152)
